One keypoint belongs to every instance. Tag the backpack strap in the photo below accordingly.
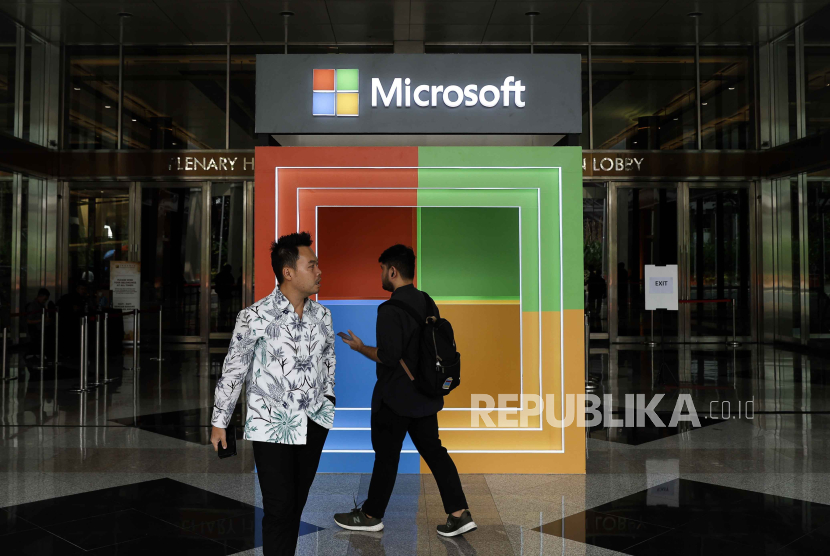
(430, 307)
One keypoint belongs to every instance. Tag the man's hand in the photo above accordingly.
(354, 342)
(357, 344)
(217, 435)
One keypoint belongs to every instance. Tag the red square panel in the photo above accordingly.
(323, 80)
(350, 240)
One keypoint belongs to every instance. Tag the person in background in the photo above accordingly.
(72, 307)
(223, 284)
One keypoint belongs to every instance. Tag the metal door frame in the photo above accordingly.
(684, 266)
(136, 190)
(683, 261)
(247, 248)
(613, 308)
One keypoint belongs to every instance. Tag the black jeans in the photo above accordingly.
(286, 472)
(388, 433)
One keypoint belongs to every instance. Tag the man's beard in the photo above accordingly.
(387, 285)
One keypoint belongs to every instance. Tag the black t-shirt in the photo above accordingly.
(397, 337)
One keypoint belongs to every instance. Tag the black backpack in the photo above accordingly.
(438, 371)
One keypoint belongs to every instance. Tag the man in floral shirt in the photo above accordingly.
(283, 350)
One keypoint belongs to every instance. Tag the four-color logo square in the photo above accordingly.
(335, 92)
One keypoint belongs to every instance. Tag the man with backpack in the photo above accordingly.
(413, 375)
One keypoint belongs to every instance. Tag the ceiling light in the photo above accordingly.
(134, 119)
(635, 142)
(704, 103)
(731, 88)
(676, 119)
(77, 88)
(174, 142)
(107, 106)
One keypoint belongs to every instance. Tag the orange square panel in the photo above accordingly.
(323, 80)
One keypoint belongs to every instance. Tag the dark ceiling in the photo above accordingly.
(345, 22)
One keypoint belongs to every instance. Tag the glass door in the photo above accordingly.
(98, 233)
(595, 253)
(174, 254)
(227, 255)
(717, 261)
(644, 223)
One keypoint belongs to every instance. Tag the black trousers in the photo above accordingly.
(285, 475)
(388, 433)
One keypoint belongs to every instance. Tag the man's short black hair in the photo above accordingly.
(286, 251)
(402, 258)
(43, 291)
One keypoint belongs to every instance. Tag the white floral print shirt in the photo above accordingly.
(287, 364)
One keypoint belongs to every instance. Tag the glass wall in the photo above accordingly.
(595, 253)
(727, 88)
(817, 74)
(8, 65)
(227, 212)
(785, 90)
(6, 220)
(243, 93)
(719, 245)
(171, 256)
(91, 113)
(788, 263)
(174, 98)
(99, 220)
(646, 234)
(644, 98)
(818, 252)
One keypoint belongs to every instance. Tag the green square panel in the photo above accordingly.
(347, 80)
(470, 252)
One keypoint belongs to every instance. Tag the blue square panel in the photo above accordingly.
(323, 104)
(355, 375)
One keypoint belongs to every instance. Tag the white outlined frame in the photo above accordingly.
(521, 286)
(521, 324)
(539, 244)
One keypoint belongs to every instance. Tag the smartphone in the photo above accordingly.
(344, 336)
(230, 439)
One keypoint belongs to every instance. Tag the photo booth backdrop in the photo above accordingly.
(488, 227)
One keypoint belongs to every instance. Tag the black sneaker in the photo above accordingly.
(356, 520)
(457, 525)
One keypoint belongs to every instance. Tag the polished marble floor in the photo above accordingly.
(125, 469)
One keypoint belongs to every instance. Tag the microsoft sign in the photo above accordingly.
(418, 94)
(451, 96)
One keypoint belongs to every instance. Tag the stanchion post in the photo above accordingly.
(135, 340)
(42, 338)
(107, 379)
(81, 381)
(57, 334)
(86, 352)
(651, 343)
(97, 382)
(159, 358)
(734, 342)
(5, 356)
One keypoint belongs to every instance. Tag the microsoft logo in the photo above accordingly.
(335, 92)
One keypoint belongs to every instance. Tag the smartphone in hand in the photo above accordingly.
(344, 336)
